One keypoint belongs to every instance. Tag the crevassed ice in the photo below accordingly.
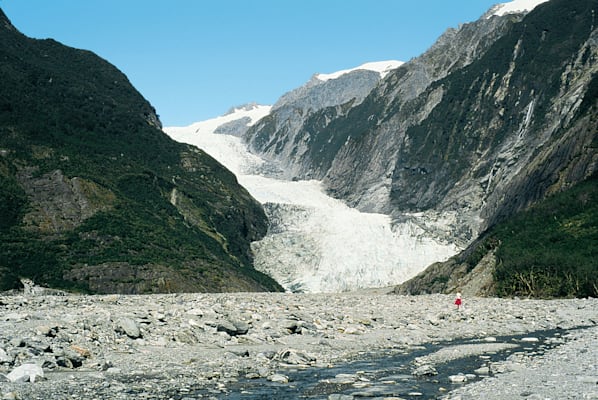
(316, 243)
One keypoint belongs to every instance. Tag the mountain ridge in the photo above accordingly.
(490, 120)
(97, 197)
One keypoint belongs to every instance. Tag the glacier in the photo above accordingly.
(315, 243)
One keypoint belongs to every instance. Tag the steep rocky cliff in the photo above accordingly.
(508, 126)
(94, 196)
(286, 135)
(486, 122)
(523, 126)
(352, 143)
(496, 116)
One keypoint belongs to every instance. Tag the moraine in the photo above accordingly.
(175, 345)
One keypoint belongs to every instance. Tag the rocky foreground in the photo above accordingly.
(168, 346)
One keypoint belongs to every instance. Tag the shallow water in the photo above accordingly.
(380, 375)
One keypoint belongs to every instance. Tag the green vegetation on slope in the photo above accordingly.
(68, 113)
(550, 250)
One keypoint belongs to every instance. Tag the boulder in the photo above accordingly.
(25, 373)
(233, 328)
(278, 378)
(128, 327)
(296, 357)
(425, 370)
(4, 358)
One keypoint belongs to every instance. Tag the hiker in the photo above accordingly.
(458, 301)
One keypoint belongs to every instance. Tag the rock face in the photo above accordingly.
(454, 276)
(493, 117)
(287, 133)
(512, 116)
(58, 203)
(95, 197)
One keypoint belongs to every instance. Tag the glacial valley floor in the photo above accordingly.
(191, 346)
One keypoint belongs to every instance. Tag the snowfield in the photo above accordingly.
(382, 67)
(515, 6)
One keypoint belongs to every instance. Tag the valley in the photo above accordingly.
(315, 243)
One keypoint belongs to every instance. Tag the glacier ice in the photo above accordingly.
(317, 243)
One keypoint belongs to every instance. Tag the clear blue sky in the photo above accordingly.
(194, 59)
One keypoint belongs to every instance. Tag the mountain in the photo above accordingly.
(284, 135)
(362, 134)
(95, 197)
(495, 117)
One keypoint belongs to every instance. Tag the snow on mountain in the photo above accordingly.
(227, 149)
(382, 67)
(315, 243)
(515, 6)
(249, 114)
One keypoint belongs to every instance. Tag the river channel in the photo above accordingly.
(389, 374)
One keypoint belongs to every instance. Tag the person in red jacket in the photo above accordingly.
(458, 301)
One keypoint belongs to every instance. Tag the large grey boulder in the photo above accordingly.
(25, 373)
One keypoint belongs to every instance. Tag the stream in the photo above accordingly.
(388, 374)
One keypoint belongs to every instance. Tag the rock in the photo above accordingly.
(482, 371)
(433, 320)
(268, 355)
(65, 362)
(460, 378)
(185, 336)
(17, 342)
(352, 330)
(337, 396)
(81, 351)
(242, 327)
(16, 317)
(239, 352)
(592, 380)
(293, 326)
(195, 324)
(38, 347)
(4, 358)
(114, 371)
(296, 357)
(344, 379)
(46, 330)
(278, 378)
(425, 370)
(233, 328)
(129, 327)
(196, 312)
(25, 373)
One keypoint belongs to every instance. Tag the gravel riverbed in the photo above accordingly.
(191, 346)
